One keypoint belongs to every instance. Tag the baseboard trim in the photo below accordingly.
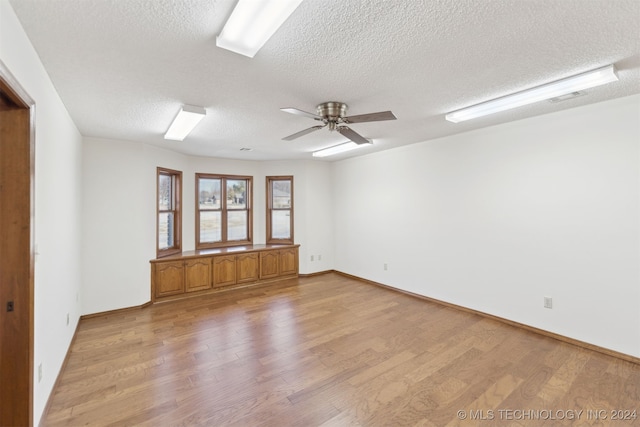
(317, 273)
(116, 311)
(539, 331)
(47, 406)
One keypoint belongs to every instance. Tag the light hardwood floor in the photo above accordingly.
(331, 351)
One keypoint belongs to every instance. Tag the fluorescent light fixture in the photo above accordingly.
(576, 83)
(252, 23)
(340, 148)
(186, 120)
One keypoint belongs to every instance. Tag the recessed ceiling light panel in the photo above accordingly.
(187, 119)
(252, 23)
(555, 89)
(340, 148)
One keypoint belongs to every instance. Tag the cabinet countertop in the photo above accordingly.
(230, 250)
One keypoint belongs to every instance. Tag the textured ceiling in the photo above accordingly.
(124, 67)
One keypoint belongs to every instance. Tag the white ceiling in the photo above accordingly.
(123, 68)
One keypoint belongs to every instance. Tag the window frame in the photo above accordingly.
(224, 210)
(270, 209)
(176, 184)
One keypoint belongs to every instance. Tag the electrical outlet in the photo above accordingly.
(548, 302)
(385, 267)
(311, 257)
(40, 372)
(67, 319)
(319, 257)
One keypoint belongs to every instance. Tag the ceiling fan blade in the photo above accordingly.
(301, 113)
(352, 135)
(302, 133)
(371, 117)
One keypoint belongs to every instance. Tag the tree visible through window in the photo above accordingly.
(223, 208)
(280, 209)
(169, 223)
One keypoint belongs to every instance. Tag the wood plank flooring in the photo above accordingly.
(331, 351)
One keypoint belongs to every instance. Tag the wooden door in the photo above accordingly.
(288, 262)
(197, 274)
(269, 264)
(224, 271)
(247, 267)
(168, 278)
(16, 252)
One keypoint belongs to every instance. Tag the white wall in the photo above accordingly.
(498, 218)
(119, 214)
(118, 209)
(57, 208)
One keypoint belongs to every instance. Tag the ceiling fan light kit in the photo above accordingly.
(544, 92)
(187, 119)
(252, 23)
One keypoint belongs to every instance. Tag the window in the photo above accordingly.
(223, 210)
(280, 209)
(169, 225)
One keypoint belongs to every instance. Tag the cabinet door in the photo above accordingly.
(247, 267)
(197, 274)
(224, 271)
(288, 262)
(168, 278)
(269, 264)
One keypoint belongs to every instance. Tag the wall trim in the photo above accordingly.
(317, 273)
(56, 383)
(116, 311)
(533, 329)
(20, 405)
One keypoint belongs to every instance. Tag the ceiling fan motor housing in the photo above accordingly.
(332, 112)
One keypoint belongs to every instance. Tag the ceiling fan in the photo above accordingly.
(332, 114)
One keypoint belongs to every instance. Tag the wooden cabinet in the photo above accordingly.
(177, 277)
(279, 263)
(288, 261)
(269, 264)
(197, 274)
(209, 270)
(168, 278)
(224, 271)
(247, 267)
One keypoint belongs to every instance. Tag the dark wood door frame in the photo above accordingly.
(17, 148)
